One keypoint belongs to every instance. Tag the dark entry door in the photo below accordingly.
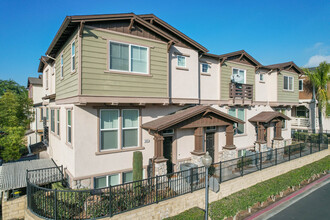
(210, 144)
(168, 153)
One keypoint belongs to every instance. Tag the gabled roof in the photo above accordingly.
(240, 53)
(44, 61)
(34, 81)
(71, 23)
(267, 116)
(285, 66)
(154, 19)
(184, 114)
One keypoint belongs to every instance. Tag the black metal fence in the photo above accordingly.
(104, 202)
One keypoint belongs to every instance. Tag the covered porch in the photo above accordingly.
(204, 121)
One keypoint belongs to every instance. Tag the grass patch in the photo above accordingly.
(194, 214)
(260, 192)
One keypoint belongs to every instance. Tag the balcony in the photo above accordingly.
(243, 92)
(303, 122)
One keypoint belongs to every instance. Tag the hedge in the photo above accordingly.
(260, 192)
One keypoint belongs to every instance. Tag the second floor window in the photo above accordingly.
(128, 58)
(181, 61)
(238, 76)
(73, 56)
(288, 83)
(62, 74)
(261, 77)
(46, 79)
(52, 120)
(301, 85)
(205, 68)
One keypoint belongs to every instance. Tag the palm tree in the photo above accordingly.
(319, 79)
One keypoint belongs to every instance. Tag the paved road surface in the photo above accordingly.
(314, 206)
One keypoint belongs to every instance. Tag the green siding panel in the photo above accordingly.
(68, 86)
(96, 81)
(287, 96)
(226, 72)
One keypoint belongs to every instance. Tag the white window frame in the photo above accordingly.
(263, 79)
(208, 66)
(185, 61)
(288, 77)
(232, 73)
(122, 129)
(110, 129)
(47, 78)
(52, 120)
(123, 174)
(236, 113)
(73, 56)
(58, 114)
(68, 126)
(61, 64)
(302, 85)
(130, 58)
(107, 179)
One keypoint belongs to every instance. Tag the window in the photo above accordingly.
(302, 112)
(58, 122)
(301, 85)
(288, 83)
(205, 68)
(128, 177)
(109, 129)
(62, 75)
(69, 126)
(168, 132)
(261, 77)
(73, 57)
(41, 114)
(128, 58)
(210, 128)
(46, 79)
(47, 114)
(283, 111)
(240, 114)
(130, 127)
(238, 76)
(106, 181)
(181, 61)
(241, 153)
(52, 120)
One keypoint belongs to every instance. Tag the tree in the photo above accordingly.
(15, 116)
(319, 79)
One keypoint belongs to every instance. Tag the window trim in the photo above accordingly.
(58, 120)
(129, 59)
(207, 67)
(288, 89)
(111, 129)
(263, 79)
(52, 120)
(67, 126)
(62, 66)
(232, 73)
(107, 179)
(185, 61)
(236, 112)
(123, 174)
(73, 56)
(47, 79)
(122, 129)
(302, 85)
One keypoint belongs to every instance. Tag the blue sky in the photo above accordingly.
(271, 31)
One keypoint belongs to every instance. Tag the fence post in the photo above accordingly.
(289, 152)
(320, 140)
(191, 180)
(110, 202)
(310, 147)
(275, 156)
(300, 149)
(220, 177)
(242, 161)
(55, 204)
(260, 160)
(157, 189)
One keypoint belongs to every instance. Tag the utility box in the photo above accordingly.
(185, 168)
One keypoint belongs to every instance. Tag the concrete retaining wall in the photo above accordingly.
(14, 208)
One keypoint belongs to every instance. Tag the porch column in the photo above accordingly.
(159, 150)
(278, 130)
(198, 133)
(261, 134)
(230, 138)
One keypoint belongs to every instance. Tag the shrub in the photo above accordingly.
(193, 214)
(246, 161)
(137, 167)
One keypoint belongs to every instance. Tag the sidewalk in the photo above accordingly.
(279, 206)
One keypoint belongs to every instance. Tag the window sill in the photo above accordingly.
(205, 74)
(262, 81)
(74, 71)
(55, 135)
(119, 150)
(69, 145)
(128, 73)
(240, 135)
(288, 90)
(182, 68)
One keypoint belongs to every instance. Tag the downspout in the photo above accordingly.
(313, 108)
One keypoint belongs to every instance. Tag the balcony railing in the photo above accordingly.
(304, 122)
(240, 91)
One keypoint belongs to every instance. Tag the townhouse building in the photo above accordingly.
(115, 84)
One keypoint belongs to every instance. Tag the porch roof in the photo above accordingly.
(185, 114)
(267, 116)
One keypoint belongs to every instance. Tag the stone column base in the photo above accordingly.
(228, 154)
(160, 168)
(197, 159)
(278, 143)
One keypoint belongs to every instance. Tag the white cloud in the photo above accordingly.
(316, 60)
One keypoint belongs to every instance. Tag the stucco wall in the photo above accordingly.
(265, 91)
(184, 83)
(210, 82)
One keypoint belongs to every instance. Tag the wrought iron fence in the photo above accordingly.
(105, 202)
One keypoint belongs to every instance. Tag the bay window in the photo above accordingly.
(128, 58)
(288, 83)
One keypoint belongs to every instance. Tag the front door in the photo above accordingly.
(168, 153)
(210, 144)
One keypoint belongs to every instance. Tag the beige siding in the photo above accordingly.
(287, 96)
(97, 81)
(68, 86)
(226, 72)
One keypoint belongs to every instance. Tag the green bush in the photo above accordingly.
(193, 214)
(137, 165)
(246, 161)
(246, 198)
